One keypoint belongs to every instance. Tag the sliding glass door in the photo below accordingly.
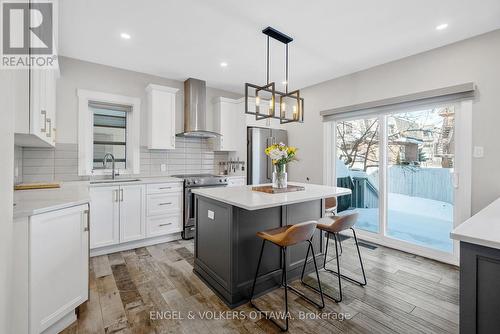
(420, 158)
(357, 169)
(401, 168)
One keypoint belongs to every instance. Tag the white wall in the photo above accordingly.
(80, 74)
(476, 59)
(6, 195)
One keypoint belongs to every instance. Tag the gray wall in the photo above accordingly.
(80, 74)
(60, 164)
(476, 59)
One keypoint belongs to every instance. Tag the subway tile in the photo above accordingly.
(39, 162)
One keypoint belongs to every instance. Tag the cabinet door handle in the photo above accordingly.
(50, 127)
(115, 195)
(44, 114)
(165, 224)
(166, 203)
(121, 195)
(86, 227)
(163, 188)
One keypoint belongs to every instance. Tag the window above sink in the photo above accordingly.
(108, 123)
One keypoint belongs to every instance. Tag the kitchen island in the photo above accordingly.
(226, 245)
(479, 238)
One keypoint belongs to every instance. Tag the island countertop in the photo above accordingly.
(246, 198)
(481, 229)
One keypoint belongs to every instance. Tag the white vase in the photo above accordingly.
(280, 177)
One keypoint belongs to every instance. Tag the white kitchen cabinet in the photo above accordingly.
(50, 270)
(164, 209)
(104, 216)
(132, 212)
(229, 121)
(35, 107)
(160, 117)
(117, 214)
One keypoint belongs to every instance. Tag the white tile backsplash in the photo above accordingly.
(191, 155)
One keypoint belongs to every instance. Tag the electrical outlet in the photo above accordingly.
(211, 214)
(478, 152)
(163, 167)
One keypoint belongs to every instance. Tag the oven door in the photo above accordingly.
(189, 227)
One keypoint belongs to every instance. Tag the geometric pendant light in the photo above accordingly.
(261, 100)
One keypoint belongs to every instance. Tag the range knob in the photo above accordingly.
(220, 180)
(225, 180)
(188, 182)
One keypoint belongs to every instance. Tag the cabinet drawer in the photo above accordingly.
(164, 203)
(160, 225)
(164, 188)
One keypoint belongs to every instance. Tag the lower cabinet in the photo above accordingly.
(50, 269)
(132, 209)
(130, 213)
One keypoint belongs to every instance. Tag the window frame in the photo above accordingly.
(86, 131)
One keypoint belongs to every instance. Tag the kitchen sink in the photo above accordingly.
(114, 181)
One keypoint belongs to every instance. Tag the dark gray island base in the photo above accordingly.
(227, 248)
(479, 289)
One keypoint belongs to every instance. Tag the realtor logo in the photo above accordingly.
(27, 35)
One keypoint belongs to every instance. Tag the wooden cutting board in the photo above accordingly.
(271, 190)
(43, 185)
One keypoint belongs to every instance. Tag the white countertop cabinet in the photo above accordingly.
(104, 217)
(117, 215)
(51, 269)
(142, 213)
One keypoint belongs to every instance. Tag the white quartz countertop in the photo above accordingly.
(34, 202)
(244, 197)
(482, 229)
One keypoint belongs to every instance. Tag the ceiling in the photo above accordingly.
(190, 38)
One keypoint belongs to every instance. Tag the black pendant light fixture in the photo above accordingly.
(261, 100)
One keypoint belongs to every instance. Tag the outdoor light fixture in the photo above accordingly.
(261, 100)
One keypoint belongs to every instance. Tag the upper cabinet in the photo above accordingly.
(229, 121)
(161, 117)
(35, 107)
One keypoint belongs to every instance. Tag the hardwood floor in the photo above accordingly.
(130, 290)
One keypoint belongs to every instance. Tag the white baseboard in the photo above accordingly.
(62, 324)
(134, 244)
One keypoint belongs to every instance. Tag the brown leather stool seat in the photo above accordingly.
(283, 237)
(334, 225)
(289, 235)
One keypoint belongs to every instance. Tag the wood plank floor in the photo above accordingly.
(405, 294)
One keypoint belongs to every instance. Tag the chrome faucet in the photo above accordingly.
(105, 162)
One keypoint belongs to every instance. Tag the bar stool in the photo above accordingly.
(334, 225)
(283, 237)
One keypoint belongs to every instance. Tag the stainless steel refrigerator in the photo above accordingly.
(260, 168)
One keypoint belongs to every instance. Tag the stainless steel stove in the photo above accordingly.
(196, 181)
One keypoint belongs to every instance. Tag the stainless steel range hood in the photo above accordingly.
(195, 110)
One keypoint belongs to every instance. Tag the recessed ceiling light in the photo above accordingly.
(223, 64)
(124, 35)
(442, 26)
